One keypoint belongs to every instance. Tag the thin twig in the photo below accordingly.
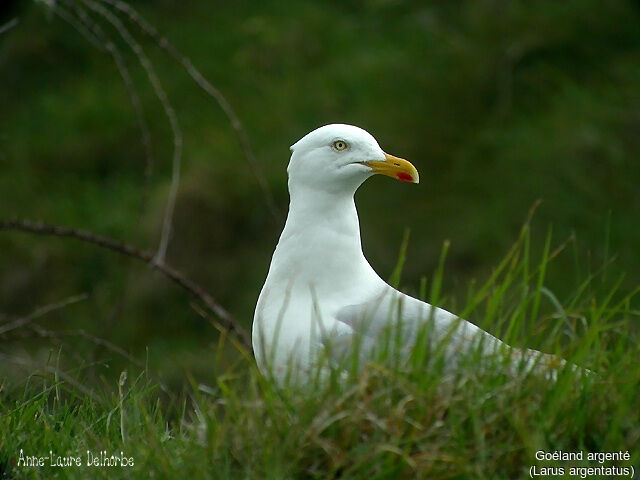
(41, 332)
(107, 44)
(125, 249)
(213, 92)
(160, 255)
(71, 19)
(39, 312)
(56, 337)
(9, 25)
(50, 369)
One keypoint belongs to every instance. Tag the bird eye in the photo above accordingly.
(340, 145)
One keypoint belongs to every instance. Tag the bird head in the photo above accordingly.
(338, 157)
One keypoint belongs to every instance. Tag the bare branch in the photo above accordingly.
(51, 369)
(44, 333)
(160, 256)
(39, 312)
(125, 249)
(80, 20)
(213, 92)
(9, 25)
(78, 25)
(56, 337)
(107, 44)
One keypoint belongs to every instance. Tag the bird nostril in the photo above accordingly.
(397, 164)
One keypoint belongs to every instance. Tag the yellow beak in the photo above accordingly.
(395, 167)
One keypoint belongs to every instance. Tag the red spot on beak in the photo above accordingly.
(404, 177)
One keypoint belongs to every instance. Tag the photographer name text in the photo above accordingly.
(89, 459)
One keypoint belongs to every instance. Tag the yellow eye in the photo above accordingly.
(340, 145)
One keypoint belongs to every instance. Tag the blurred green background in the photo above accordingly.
(498, 103)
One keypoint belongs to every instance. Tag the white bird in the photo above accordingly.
(321, 295)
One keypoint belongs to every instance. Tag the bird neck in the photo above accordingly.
(318, 214)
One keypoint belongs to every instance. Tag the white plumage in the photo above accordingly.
(321, 294)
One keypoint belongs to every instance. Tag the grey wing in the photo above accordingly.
(393, 320)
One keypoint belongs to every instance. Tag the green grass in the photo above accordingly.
(387, 420)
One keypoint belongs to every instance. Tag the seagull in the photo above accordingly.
(321, 298)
